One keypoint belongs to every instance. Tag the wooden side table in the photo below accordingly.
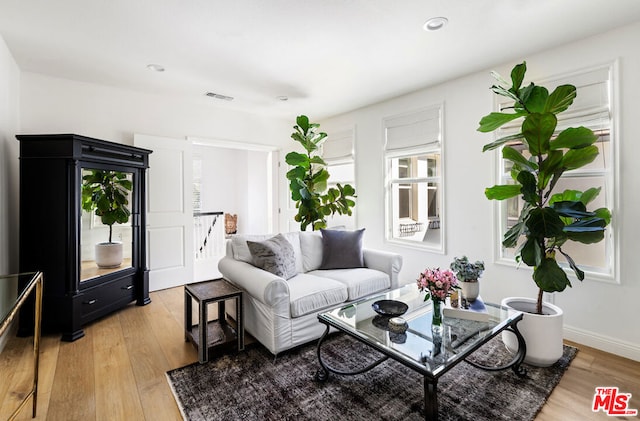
(208, 334)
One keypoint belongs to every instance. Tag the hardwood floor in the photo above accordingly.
(117, 371)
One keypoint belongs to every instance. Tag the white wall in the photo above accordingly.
(52, 105)
(596, 313)
(236, 181)
(9, 121)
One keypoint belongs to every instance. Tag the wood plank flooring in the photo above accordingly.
(117, 371)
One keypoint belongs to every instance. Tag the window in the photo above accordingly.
(413, 160)
(197, 183)
(337, 152)
(592, 108)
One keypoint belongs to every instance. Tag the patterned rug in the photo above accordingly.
(252, 385)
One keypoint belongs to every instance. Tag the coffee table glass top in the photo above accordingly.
(418, 347)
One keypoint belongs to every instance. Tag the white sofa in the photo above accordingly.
(282, 313)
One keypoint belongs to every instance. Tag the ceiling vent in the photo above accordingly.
(219, 96)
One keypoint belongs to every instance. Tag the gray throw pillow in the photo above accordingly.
(342, 249)
(274, 255)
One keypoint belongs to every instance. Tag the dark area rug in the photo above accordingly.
(252, 385)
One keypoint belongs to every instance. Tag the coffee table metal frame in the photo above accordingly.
(431, 375)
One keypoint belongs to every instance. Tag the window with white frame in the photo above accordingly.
(337, 152)
(592, 108)
(414, 187)
(197, 183)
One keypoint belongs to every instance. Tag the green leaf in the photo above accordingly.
(511, 237)
(571, 209)
(502, 192)
(589, 195)
(317, 160)
(528, 189)
(500, 90)
(544, 222)
(603, 213)
(538, 129)
(574, 138)
(586, 237)
(536, 99)
(499, 142)
(296, 173)
(579, 273)
(517, 75)
(531, 253)
(303, 122)
(297, 159)
(578, 158)
(495, 120)
(550, 277)
(515, 156)
(549, 167)
(560, 99)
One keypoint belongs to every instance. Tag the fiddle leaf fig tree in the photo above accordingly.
(308, 180)
(547, 220)
(106, 192)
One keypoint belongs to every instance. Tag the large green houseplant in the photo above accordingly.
(308, 180)
(547, 221)
(106, 193)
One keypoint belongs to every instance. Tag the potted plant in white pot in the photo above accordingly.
(468, 274)
(106, 193)
(540, 156)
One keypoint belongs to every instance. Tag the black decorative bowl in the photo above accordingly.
(390, 308)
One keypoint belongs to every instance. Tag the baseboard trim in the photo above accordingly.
(603, 343)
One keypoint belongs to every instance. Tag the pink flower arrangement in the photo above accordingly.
(438, 284)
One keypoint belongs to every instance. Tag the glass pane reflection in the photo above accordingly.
(106, 222)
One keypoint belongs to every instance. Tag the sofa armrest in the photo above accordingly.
(259, 284)
(384, 261)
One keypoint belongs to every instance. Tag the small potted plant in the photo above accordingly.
(468, 274)
(106, 193)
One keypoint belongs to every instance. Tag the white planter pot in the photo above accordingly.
(108, 255)
(470, 290)
(542, 332)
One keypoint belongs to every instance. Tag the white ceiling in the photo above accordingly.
(326, 56)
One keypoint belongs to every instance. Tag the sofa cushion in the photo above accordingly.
(342, 249)
(241, 252)
(275, 255)
(311, 249)
(360, 282)
(309, 293)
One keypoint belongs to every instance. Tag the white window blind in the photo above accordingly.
(338, 147)
(591, 107)
(412, 130)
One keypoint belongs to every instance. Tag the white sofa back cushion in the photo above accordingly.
(240, 249)
(311, 250)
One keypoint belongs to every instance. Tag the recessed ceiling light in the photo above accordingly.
(436, 23)
(155, 67)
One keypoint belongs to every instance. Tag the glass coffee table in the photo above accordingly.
(414, 344)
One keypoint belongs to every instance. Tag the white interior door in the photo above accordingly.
(169, 211)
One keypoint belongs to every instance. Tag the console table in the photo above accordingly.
(20, 288)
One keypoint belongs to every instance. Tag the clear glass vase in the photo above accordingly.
(436, 319)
